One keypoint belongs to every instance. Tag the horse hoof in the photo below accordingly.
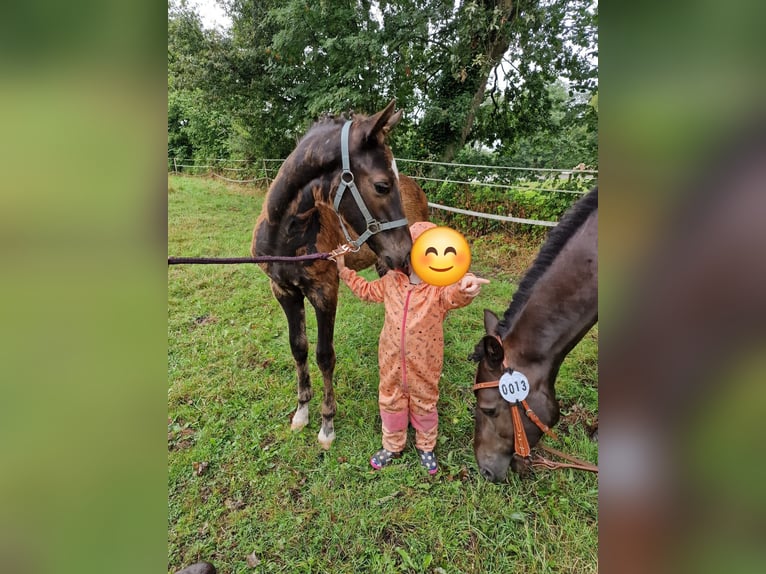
(300, 418)
(296, 426)
(324, 440)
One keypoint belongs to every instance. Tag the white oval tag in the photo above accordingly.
(514, 386)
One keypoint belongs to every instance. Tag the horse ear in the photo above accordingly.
(392, 122)
(382, 122)
(493, 351)
(490, 322)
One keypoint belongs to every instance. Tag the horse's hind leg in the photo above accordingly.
(292, 305)
(325, 307)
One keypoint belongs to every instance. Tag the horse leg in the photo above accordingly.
(292, 305)
(325, 306)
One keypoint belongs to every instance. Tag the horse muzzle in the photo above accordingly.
(393, 249)
(493, 468)
(400, 264)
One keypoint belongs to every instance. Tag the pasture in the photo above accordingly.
(249, 495)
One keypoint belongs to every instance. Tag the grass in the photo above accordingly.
(249, 495)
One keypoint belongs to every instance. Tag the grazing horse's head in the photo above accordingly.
(375, 215)
(493, 425)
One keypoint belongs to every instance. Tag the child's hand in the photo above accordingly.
(340, 263)
(471, 285)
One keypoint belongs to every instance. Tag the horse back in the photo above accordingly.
(414, 199)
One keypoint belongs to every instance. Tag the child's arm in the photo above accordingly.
(471, 285)
(462, 293)
(366, 290)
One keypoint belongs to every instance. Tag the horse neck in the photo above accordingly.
(560, 309)
(307, 175)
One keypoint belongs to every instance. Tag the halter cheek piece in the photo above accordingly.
(347, 182)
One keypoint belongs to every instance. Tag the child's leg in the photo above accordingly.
(425, 420)
(393, 414)
(425, 442)
(394, 429)
(423, 414)
(426, 430)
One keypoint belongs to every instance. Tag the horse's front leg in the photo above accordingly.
(292, 305)
(325, 304)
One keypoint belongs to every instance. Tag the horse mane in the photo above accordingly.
(570, 222)
(332, 119)
(326, 119)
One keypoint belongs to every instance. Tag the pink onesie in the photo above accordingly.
(410, 352)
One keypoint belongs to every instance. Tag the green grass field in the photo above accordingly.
(250, 495)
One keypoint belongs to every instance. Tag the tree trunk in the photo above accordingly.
(499, 43)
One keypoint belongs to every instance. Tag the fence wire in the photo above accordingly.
(264, 171)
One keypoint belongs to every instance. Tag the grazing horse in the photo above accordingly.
(554, 307)
(338, 186)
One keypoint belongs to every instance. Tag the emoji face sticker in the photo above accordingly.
(440, 256)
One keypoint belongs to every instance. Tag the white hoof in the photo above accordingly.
(300, 418)
(324, 440)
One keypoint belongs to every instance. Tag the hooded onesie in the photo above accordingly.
(410, 351)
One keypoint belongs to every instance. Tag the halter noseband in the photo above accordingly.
(347, 181)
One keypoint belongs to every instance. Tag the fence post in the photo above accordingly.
(266, 173)
(175, 165)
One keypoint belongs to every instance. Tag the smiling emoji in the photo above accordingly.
(440, 256)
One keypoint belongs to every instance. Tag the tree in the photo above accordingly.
(467, 71)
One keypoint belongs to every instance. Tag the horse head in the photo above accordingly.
(494, 439)
(366, 192)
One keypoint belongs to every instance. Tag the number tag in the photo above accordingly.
(514, 386)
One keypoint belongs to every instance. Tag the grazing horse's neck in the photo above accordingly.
(560, 308)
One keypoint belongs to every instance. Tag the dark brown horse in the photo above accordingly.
(339, 185)
(554, 307)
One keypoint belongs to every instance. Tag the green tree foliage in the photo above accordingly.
(480, 72)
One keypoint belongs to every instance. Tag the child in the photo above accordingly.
(410, 352)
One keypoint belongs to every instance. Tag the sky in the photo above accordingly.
(211, 14)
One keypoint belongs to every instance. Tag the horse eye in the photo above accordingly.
(432, 250)
(450, 250)
(492, 413)
(382, 188)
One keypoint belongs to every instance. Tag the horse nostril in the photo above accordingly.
(486, 473)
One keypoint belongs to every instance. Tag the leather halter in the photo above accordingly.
(520, 442)
(347, 182)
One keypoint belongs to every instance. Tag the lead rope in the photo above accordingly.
(341, 250)
(574, 462)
